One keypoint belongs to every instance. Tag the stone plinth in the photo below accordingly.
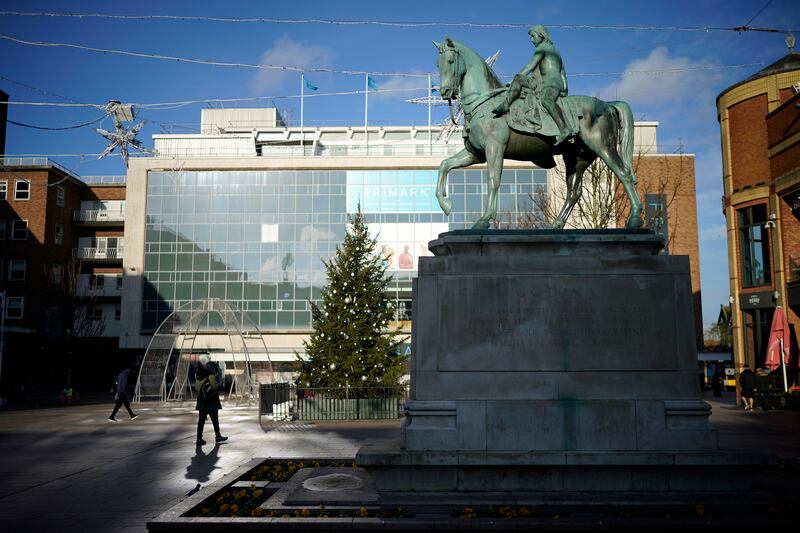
(545, 352)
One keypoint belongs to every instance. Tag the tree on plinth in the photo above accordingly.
(351, 345)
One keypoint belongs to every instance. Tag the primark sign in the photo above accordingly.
(392, 191)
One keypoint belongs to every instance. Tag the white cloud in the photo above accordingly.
(399, 88)
(288, 52)
(668, 80)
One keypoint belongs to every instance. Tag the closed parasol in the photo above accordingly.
(778, 346)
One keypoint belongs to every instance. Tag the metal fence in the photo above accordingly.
(286, 401)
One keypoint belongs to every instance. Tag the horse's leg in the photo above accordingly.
(604, 146)
(464, 158)
(573, 193)
(495, 151)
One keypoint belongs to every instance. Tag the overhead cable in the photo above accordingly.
(76, 126)
(291, 68)
(388, 23)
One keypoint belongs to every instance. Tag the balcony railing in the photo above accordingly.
(99, 215)
(103, 180)
(98, 253)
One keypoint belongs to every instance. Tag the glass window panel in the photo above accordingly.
(199, 290)
(234, 291)
(216, 289)
(183, 291)
(285, 319)
(267, 319)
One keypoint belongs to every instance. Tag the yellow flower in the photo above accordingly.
(362, 511)
(523, 511)
(257, 493)
(224, 507)
(234, 508)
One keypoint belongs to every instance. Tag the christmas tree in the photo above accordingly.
(350, 345)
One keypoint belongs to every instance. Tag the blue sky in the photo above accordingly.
(683, 100)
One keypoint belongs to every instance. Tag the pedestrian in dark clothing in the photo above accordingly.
(121, 396)
(208, 404)
(762, 387)
(747, 380)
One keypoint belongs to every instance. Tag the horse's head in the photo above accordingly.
(451, 68)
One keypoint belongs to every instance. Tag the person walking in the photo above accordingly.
(762, 387)
(121, 396)
(747, 380)
(208, 404)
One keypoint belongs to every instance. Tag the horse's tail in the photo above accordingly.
(626, 127)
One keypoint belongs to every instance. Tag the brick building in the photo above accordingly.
(666, 185)
(760, 129)
(60, 271)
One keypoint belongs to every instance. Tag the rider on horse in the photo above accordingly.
(553, 80)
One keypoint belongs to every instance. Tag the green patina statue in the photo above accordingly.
(547, 63)
(530, 121)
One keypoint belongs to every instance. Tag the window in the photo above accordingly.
(118, 312)
(96, 282)
(14, 306)
(58, 236)
(16, 270)
(22, 190)
(19, 230)
(655, 215)
(95, 312)
(2, 229)
(754, 246)
(56, 274)
(60, 195)
(119, 282)
(3, 189)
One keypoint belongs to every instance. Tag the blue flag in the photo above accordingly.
(371, 83)
(310, 86)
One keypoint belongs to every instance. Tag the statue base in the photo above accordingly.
(554, 361)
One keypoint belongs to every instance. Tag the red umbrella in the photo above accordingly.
(778, 346)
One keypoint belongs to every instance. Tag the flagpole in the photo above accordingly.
(430, 135)
(302, 97)
(366, 110)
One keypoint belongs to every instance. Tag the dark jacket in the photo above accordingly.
(204, 403)
(762, 381)
(122, 383)
(747, 379)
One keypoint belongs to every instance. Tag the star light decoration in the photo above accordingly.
(121, 137)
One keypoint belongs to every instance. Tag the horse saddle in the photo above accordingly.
(527, 115)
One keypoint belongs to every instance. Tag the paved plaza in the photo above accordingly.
(68, 469)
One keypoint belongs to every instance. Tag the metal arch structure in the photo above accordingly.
(164, 371)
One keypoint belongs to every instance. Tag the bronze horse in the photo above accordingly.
(605, 131)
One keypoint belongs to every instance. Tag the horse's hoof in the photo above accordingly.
(634, 223)
(481, 224)
(446, 205)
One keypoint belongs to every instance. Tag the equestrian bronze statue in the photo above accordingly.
(533, 120)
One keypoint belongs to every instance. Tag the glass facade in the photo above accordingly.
(257, 238)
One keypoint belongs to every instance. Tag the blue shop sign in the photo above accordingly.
(398, 191)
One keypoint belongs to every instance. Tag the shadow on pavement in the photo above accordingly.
(202, 464)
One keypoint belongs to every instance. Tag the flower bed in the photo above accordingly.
(246, 501)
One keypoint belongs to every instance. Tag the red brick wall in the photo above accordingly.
(106, 192)
(748, 142)
(674, 176)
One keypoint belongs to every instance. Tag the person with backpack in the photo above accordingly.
(208, 404)
(121, 395)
